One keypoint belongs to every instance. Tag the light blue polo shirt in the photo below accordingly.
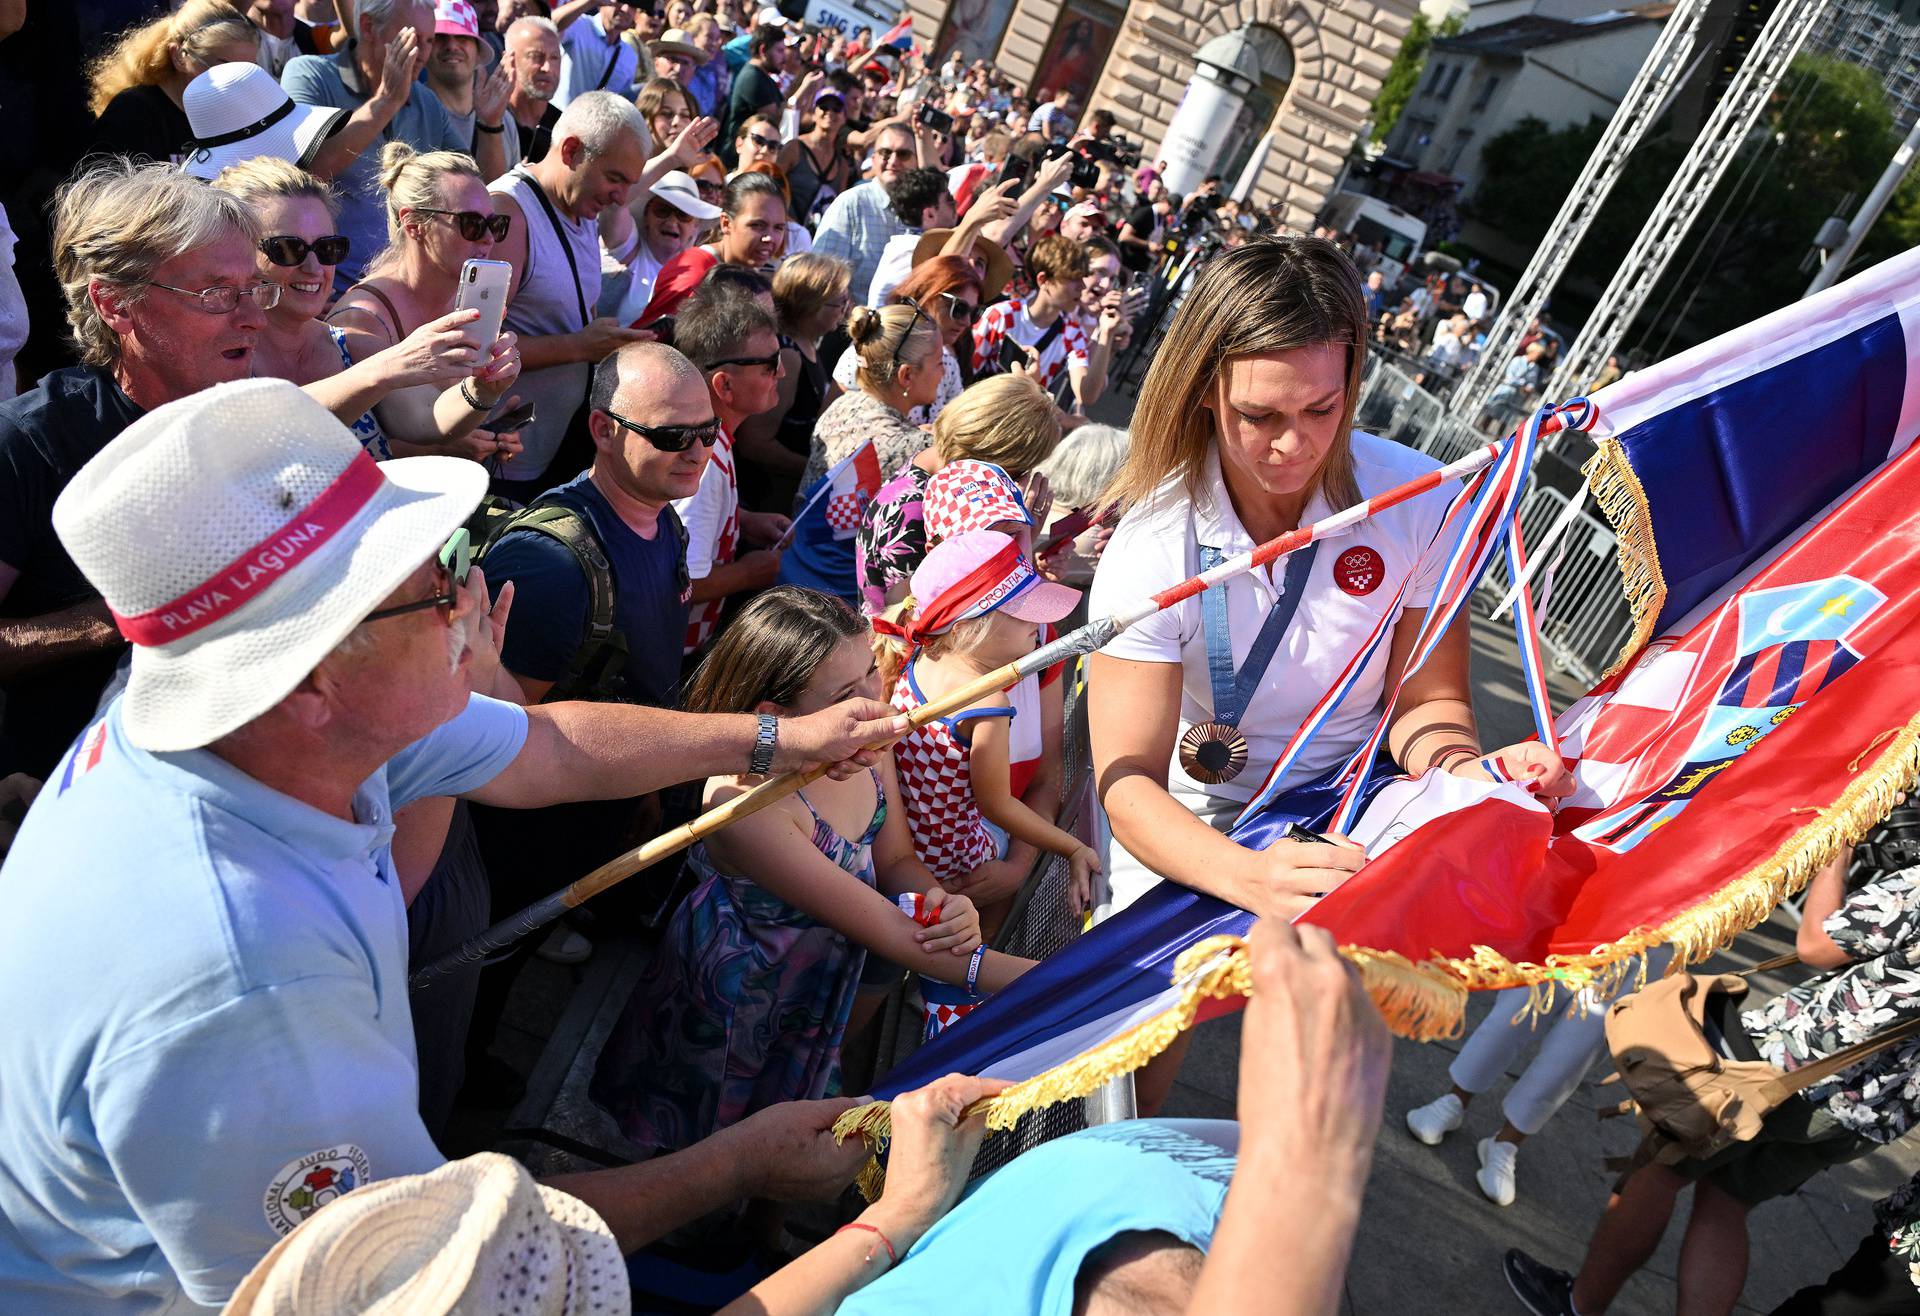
(422, 123)
(590, 62)
(206, 1033)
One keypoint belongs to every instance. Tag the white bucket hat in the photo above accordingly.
(239, 112)
(477, 1235)
(678, 190)
(238, 535)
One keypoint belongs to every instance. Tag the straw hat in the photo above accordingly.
(999, 264)
(477, 1235)
(239, 112)
(238, 535)
(675, 41)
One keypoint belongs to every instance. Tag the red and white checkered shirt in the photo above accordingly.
(1008, 319)
(936, 785)
(712, 520)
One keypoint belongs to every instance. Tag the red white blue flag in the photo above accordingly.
(1764, 716)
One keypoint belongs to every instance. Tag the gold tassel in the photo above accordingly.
(1424, 1001)
(1620, 496)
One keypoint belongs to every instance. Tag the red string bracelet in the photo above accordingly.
(891, 1258)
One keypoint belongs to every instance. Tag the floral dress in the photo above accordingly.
(1878, 927)
(892, 540)
(1896, 1219)
(744, 1005)
(367, 428)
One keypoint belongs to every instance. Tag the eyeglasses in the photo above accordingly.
(472, 224)
(454, 562)
(893, 153)
(918, 314)
(959, 310)
(771, 361)
(670, 438)
(290, 251)
(224, 300)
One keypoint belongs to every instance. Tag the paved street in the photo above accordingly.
(1430, 1242)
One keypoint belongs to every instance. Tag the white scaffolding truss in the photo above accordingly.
(1731, 122)
(1667, 67)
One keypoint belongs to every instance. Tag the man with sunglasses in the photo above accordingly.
(735, 342)
(861, 219)
(163, 301)
(306, 640)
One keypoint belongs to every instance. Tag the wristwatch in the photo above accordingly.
(765, 741)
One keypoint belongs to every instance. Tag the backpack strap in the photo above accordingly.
(601, 645)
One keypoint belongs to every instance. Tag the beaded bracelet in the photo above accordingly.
(973, 968)
(892, 1260)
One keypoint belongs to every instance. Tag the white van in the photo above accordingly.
(1391, 231)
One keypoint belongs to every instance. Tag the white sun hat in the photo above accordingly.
(238, 535)
(476, 1235)
(239, 112)
(678, 190)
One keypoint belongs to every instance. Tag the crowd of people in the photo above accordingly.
(455, 442)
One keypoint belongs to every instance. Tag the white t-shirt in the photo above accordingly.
(1157, 545)
(1475, 306)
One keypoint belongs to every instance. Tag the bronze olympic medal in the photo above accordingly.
(1213, 752)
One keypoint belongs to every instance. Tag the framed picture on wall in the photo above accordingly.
(974, 27)
(1082, 38)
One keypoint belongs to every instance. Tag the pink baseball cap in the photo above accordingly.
(455, 18)
(979, 572)
(970, 495)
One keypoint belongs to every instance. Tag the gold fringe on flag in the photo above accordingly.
(1619, 493)
(1424, 1001)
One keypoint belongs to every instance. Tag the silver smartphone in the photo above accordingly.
(483, 288)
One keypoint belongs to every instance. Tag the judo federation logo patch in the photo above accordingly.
(304, 1186)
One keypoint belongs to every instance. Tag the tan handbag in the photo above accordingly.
(1691, 1100)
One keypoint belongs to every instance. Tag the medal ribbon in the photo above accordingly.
(1233, 690)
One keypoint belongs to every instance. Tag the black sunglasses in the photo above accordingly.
(769, 143)
(455, 560)
(669, 438)
(917, 315)
(472, 224)
(290, 251)
(959, 310)
(771, 361)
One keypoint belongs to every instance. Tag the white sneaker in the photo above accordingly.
(1495, 1176)
(1436, 1119)
(565, 946)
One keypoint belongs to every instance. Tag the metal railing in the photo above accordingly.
(1586, 620)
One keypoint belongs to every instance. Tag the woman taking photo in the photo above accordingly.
(298, 250)
(439, 216)
(898, 348)
(1244, 430)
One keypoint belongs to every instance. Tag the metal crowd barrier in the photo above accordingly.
(1586, 620)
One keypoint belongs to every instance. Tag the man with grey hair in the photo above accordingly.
(533, 60)
(374, 76)
(162, 299)
(599, 156)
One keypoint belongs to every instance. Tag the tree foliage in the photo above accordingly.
(1404, 75)
(1826, 136)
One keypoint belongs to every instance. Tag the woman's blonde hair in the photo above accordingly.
(806, 282)
(142, 58)
(888, 337)
(890, 655)
(1008, 420)
(1271, 295)
(771, 650)
(412, 181)
(269, 178)
(653, 93)
(117, 222)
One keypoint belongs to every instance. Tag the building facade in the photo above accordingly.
(1321, 64)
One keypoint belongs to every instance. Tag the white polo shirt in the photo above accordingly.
(1354, 576)
(207, 1036)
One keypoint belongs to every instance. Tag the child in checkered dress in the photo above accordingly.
(760, 973)
(978, 606)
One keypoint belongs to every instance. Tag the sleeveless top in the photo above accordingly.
(805, 181)
(367, 427)
(548, 301)
(936, 785)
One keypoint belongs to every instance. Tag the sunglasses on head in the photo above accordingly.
(670, 438)
(472, 224)
(455, 560)
(290, 251)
